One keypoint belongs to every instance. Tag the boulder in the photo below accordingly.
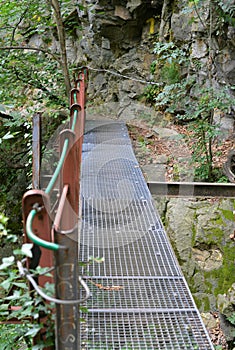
(200, 235)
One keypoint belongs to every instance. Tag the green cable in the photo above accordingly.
(75, 113)
(35, 239)
(58, 168)
(74, 120)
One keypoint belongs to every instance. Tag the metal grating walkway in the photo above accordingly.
(140, 299)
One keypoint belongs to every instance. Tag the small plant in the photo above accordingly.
(189, 103)
(169, 62)
(203, 130)
(231, 319)
(19, 302)
(3, 223)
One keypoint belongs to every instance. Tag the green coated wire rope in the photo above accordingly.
(75, 115)
(74, 120)
(58, 168)
(35, 239)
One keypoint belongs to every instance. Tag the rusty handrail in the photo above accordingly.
(60, 208)
(78, 101)
(62, 235)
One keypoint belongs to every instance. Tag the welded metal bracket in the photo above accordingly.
(41, 227)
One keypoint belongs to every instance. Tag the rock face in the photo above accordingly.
(120, 36)
(200, 235)
(226, 304)
(115, 40)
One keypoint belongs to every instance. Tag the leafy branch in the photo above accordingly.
(32, 48)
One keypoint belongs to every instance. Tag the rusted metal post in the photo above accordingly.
(66, 227)
(36, 150)
(66, 276)
(66, 232)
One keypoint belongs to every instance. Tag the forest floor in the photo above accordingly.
(177, 148)
(148, 146)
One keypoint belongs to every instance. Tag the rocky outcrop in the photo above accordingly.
(115, 39)
(200, 233)
(226, 304)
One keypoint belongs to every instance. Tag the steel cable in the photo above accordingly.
(25, 272)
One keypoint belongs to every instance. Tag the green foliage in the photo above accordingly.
(227, 10)
(174, 97)
(232, 319)
(38, 78)
(202, 128)
(30, 81)
(151, 92)
(169, 52)
(224, 11)
(189, 102)
(170, 73)
(168, 64)
(12, 336)
(3, 225)
(21, 303)
(42, 75)
(15, 161)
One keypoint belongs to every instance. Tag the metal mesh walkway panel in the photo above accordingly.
(140, 299)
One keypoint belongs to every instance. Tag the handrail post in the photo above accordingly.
(36, 150)
(66, 233)
(66, 284)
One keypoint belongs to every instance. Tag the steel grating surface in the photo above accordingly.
(174, 330)
(140, 299)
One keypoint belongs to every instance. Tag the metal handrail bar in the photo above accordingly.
(60, 207)
(41, 229)
(192, 189)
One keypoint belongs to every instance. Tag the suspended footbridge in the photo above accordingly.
(111, 253)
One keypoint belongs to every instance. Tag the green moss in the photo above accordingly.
(194, 232)
(228, 214)
(218, 221)
(214, 236)
(203, 303)
(226, 278)
(217, 281)
(223, 277)
(207, 306)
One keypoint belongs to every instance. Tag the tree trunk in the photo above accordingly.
(61, 35)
